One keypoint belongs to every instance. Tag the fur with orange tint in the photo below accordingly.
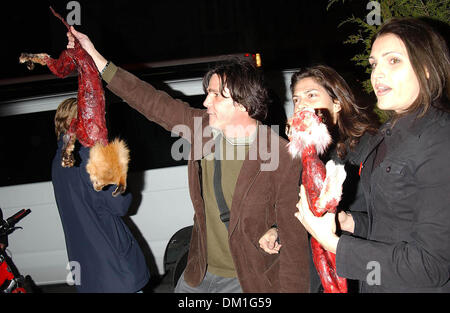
(109, 165)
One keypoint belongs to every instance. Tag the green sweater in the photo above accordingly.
(233, 155)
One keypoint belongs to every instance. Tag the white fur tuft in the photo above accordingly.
(307, 130)
(332, 186)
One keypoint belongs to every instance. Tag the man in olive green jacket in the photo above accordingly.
(260, 188)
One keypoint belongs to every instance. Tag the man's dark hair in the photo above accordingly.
(246, 85)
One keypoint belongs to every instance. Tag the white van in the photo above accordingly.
(161, 202)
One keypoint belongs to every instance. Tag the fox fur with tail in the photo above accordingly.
(109, 165)
(309, 137)
(307, 131)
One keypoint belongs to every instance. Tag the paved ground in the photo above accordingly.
(162, 286)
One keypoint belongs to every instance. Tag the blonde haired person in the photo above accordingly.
(97, 239)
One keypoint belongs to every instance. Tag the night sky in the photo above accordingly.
(288, 33)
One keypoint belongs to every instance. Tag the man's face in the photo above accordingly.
(221, 109)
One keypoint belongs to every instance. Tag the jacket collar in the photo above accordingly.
(413, 124)
(250, 170)
(408, 125)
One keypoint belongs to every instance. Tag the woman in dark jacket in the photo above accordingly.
(323, 89)
(103, 254)
(401, 242)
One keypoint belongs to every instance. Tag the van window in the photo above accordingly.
(150, 144)
(28, 141)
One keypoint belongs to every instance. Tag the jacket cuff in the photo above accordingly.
(352, 256)
(348, 260)
(361, 221)
(342, 251)
(109, 72)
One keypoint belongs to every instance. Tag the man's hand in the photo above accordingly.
(87, 45)
(268, 242)
(322, 228)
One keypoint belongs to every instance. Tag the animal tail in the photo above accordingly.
(331, 192)
(60, 17)
(109, 165)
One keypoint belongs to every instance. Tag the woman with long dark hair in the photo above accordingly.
(402, 242)
(320, 87)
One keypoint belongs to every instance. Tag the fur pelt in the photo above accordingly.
(323, 185)
(306, 129)
(109, 165)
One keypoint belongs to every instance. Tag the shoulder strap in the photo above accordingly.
(221, 203)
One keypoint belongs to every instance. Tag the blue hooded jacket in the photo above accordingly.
(109, 257)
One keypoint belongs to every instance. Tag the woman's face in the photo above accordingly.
(309, 93)
(393, 78)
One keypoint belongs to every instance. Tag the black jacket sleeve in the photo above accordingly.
(423, 260)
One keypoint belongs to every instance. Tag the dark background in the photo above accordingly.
(287, 33)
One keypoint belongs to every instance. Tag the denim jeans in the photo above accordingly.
(211, 284)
